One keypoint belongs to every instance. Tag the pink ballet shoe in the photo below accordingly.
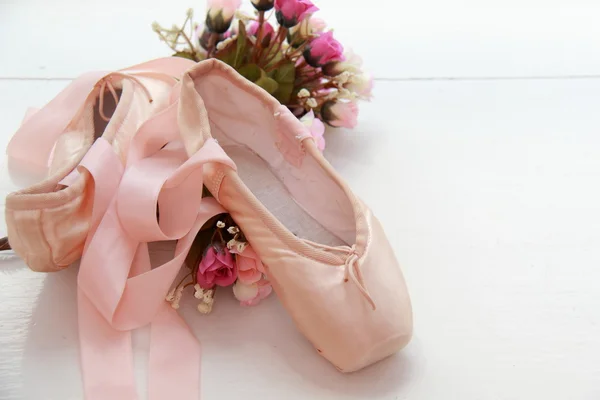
(324, 251)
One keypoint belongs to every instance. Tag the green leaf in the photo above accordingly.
(241, 45)
(286, 73)
(269, 84)
(227, 55)
(284, 92)
(252, 72)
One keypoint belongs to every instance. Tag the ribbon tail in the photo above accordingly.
(106, 355)
(173, 345)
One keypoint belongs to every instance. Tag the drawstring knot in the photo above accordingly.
(352, 271)
(105, 83)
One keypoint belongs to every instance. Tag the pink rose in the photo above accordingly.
(290, 12)
(216, 268)
(252, 294)
(323, 50)
(220, 13)
(340, 113)
(250, 268)
(253, 29)
(316, 128)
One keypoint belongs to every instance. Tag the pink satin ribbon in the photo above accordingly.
(52, 120)
(118, 291)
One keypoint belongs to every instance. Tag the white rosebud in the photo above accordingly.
(220, 224)
(342, 78)
(233, 230)
(361, 84)
(189, 13)
(346, 94)
(204, 308)
(311, 102)
(303, 93)
(199, 294)
(244, 292)
(208, 297)
(156, 26)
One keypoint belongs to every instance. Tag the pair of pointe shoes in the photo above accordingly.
(324, 251)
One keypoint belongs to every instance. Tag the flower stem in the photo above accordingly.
(189, 42)
(182, 279)
(279, 40)
(299, 50)
(311, 78)
(302, 64)
(276, 65)
(259, 34)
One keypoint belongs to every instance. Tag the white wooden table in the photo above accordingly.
(486, 118)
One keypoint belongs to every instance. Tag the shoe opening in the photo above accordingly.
(303, 196)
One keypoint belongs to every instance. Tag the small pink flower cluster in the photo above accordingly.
(244, 270)
(298, 60)
(227, 260)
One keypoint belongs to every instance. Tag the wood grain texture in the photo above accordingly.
(488, 190)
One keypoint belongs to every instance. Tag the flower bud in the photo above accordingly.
(290, 12)
(263, 5)
(323, 50)
(340, 113)
(220, 14)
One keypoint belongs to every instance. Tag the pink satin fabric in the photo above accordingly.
(48, 222)
(50, 122)
(117, 289)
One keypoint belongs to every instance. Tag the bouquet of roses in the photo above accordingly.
(297, 60)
